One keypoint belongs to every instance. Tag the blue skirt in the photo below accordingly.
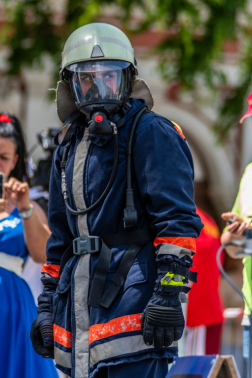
(17, 312)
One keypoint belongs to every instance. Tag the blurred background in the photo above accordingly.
(196, 57)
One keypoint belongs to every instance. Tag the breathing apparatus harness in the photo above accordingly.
(94, 244)
(108, 187)
(104, 117)
(130, 214)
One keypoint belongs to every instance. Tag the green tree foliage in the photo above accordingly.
(191, 54)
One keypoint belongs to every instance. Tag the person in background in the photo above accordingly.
(241, 215)
(23, 232)
(204, 322)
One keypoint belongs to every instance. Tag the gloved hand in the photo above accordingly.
(162, 320)
(42, 335)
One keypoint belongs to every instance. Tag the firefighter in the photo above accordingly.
(122, 216)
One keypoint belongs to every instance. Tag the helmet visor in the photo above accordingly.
(97, 80)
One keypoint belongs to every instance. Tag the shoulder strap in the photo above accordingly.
(134, 131)
(130, 213)
(70, 120)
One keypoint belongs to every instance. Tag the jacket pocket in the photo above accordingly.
(138, 274)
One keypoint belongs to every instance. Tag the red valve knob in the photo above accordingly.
(98, 118)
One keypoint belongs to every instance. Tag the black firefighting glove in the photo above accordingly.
(42, 328)
(162, 321)
(42, 335)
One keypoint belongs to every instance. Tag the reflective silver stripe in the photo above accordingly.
(119, 347)
(81, 283)
(77, 185)
(117, 42)
(77, 44)
(81, 276)
(171, 249)
(62, 358)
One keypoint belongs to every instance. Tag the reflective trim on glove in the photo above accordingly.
(172, 279)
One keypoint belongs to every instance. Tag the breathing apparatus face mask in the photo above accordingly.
(99, 87)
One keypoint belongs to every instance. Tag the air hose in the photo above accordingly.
(225, 275)
(108, 187)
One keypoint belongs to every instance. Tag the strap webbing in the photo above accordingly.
(130, 237)
(120, 275)
(126, 237)
(178, 269)
(65, 257)
(173, 289)
(70, 119)
(100, 275)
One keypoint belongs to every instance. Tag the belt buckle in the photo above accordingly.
(82, 246)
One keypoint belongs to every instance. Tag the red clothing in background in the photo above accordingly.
(205, 307)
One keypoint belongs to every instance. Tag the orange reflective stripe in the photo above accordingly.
(184, 242)
(178, 129)
(62, 336)
(123, 324)
(53, 270)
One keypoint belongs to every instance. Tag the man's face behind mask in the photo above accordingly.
(91, 81)
(98, 81)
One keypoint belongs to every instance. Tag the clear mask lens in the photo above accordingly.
(100, 80)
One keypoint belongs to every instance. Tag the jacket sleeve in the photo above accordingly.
(164, 173)
(60, 238)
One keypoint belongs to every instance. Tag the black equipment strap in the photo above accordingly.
(181, 270)
(120, 275)
(70, 119)
(126, 237)
(100, 275)
(131, 236)
(172, 289)
(65, 257)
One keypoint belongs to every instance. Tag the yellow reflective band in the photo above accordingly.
(171, 283)
(171, 279)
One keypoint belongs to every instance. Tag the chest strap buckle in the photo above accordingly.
(82, 246)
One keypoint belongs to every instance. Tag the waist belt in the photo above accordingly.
(95, 244)
(11, 263)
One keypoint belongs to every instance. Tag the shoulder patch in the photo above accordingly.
(178, 129)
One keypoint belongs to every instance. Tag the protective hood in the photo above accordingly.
(140, 90)
(66, 104)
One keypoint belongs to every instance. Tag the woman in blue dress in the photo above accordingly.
(23, 231)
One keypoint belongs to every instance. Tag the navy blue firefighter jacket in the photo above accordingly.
(87, 338)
